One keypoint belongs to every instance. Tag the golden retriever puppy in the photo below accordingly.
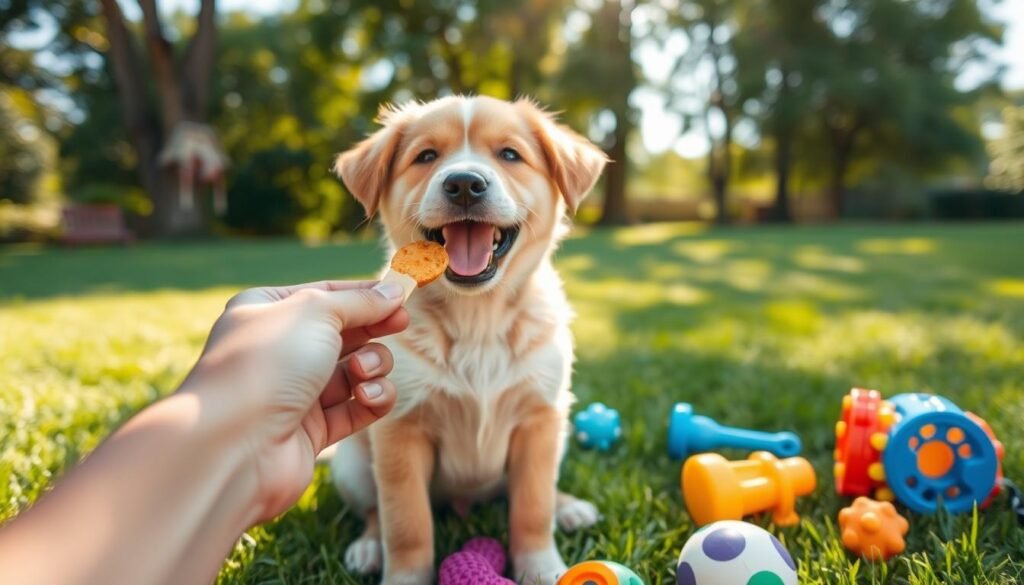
(483, 371)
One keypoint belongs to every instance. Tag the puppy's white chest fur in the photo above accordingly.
(474, 367)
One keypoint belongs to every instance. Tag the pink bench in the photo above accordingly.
(94, 224)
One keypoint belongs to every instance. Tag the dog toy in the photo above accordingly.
(861, 435)
(599, 573)
(873, 530)
(734, 553)
(691, 433)
(480, 562)
(417, 264)
(717, 489)
(597, 427)
(917, 448)
(1000, 453)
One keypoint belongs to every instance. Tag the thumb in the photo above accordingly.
(365, 306)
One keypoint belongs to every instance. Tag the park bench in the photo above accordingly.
(94, 224)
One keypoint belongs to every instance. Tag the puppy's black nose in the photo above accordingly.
(465, 188)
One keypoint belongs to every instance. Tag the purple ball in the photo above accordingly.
(480, 562)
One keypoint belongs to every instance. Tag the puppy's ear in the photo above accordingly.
(366, 168)
(575, 162)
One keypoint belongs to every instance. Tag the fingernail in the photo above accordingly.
(389, 290)
(368, 360)
(372, 390)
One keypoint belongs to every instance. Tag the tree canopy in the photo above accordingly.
(826, 91)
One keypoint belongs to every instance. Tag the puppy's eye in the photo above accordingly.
(510, 155)
(426, 156)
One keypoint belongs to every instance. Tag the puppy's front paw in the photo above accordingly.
(573, 514)
(364, 556)
(542, 567)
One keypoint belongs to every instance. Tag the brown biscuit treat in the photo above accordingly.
(423, 261)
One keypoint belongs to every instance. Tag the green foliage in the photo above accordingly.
(23, 152)
(260, 198)
(763, 328)
(1006, 170)
(830, 92)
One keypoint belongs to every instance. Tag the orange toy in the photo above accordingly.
(873, 530)
(717, 489)
(861, 435)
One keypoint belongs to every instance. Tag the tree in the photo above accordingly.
(182, 96)
(705, 86)
(23, 155)
(777, 45)
(598, 78)
(889, 80)
(1006, 171)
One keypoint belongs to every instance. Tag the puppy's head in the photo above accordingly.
(488, 179)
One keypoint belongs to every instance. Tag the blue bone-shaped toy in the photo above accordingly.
(692, 433)
(597, 427)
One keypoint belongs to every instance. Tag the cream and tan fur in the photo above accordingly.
(483, 372)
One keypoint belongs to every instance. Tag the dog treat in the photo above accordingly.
(417, 264)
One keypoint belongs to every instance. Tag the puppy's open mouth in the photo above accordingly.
(474, 249)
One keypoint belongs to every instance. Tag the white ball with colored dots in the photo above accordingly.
(734, 553)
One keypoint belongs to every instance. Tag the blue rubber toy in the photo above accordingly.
(935, 451)
(597, 427)
(692, 433)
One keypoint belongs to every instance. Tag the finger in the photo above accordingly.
(371, 361)
(339, 388)
(373, 399)
(353, 339)
(266, 294)
(361, 307)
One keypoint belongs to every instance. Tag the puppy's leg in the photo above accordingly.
(352, 473)
(532, 475)
(403, 465)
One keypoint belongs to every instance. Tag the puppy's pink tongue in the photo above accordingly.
(468, 244)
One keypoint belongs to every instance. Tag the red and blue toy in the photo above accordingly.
(917, 448)
(598, 427)
(692, 433)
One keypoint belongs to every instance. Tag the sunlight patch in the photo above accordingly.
(656, 233)
(819, 258)
(576, 263)
(904, 246)
(704, 252)
(1007, 287)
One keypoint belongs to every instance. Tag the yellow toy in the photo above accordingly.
(873, 530)
(717, 489)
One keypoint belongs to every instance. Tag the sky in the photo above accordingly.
(659, 129)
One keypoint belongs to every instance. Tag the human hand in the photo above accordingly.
(295, 369)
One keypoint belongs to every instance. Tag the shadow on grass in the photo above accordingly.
(34, 273)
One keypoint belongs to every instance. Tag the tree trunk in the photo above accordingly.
(718, 193)
(783, 163)
(617, 17)
(182, 95)
(837, 183)
(615, 210)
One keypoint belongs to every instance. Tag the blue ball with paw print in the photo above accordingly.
(597, 427)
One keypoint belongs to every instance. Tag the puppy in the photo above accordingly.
(483, 371)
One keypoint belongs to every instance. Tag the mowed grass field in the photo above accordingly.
(765, 328)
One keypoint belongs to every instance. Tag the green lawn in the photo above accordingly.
(765, 328)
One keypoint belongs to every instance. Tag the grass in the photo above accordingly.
(765, 328)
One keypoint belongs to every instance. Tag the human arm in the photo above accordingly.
(286, 372)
